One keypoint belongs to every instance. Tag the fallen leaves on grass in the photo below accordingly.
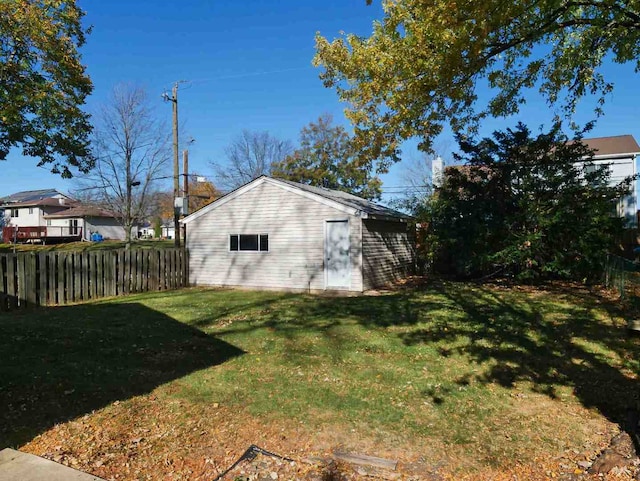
(149, 438)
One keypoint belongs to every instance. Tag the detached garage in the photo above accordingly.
(276, 234)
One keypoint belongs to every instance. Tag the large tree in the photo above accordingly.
(43, 84)
(422, 65)
(326, 158)
(531, 206)
(131, 148)
(250, 155)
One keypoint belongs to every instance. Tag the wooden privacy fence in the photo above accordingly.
(57, 277)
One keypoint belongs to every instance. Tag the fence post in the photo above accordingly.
(42, 279)
(121, 277)
(30, 282)
(163, 269)
(179, 269)
(174, 268)
(186, 267)
(3, 283)
(22, 298)
(111, 259)
(77, 276)
(12, 290)
(153, 269)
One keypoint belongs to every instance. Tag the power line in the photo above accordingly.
(250, 74)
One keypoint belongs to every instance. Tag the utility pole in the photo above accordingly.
(185, 170)
(176, 163)
(185, 189)
(176, 166)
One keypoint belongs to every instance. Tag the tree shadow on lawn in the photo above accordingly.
(60, 363)
(550, 339)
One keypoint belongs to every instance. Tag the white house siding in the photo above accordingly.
(620, 169)
(108, 227)
(27, 217)
(388, 252)
(295, 225)
(168, 232)
(61, 227)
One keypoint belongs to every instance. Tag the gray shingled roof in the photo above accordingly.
(349, 200)
(29, 196)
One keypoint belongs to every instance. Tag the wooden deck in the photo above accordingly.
(42, 235)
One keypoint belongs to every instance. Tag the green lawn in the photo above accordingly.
(484, 374)
(84, 246)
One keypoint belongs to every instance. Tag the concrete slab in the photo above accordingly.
(17, 466)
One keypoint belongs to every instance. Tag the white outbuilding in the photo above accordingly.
(277, 234)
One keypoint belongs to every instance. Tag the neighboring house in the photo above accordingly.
(278, 234)
(24, 213)
(143, 231)
(168, 231)
(51, 216)
(25, 209)
(33, 195)
(619, 154)
(84, 220)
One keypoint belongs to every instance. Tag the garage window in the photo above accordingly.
(249, 242)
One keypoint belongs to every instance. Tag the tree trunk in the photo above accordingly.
(127, 235)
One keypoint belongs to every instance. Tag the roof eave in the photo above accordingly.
(334, 203)
(283, 185)
(391, 218)
(615, 156)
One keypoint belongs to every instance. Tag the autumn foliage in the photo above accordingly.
(533, 207)
(200, 195)
(44, 84)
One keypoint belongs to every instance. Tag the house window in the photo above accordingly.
(249, 242)
(30, 210)
(14, 212)
(590, 168)
(49, 222)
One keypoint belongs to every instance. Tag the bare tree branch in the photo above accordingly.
(131, 148)
(249, 156)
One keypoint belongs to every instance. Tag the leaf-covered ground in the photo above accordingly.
(453, 380)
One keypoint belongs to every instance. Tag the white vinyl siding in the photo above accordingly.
(295, 225)
(388, 251)
(620, 168)
(107, 227)
(25, 217)
(63, 227)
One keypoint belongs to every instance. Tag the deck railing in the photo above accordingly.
(13, 234)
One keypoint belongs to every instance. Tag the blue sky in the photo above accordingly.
(249, 67)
